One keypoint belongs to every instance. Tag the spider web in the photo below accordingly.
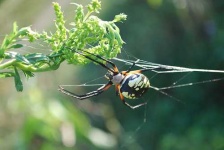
(164, 69)
(160, 69)
(156, 70)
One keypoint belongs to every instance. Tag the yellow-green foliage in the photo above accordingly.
(88, 33)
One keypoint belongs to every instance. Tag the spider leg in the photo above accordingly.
(129, 69)
(100, 63)
(126, 104)
(135, 71)
(116, 90)
(114, 70)
(139, 71)
(108, 61)
(87, 95)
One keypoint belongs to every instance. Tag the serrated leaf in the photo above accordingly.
(28, 74)
(6, 74)
(18, 82)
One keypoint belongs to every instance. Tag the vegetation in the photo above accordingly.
(88, 30)
(181, 33)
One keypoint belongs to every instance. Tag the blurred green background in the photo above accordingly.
(184, 33)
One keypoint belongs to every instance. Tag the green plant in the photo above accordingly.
(88, 32)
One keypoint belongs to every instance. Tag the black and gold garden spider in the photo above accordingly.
(128, 84)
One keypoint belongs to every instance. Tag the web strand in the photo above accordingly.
(165, 68)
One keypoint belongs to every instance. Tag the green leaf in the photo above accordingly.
(15, 28)
(17, 56)
(28, 74)
(6, 41)
(6, 74)
(18, 82)
(24, 31)
(16, 46)
(3, 46)
(36, 57)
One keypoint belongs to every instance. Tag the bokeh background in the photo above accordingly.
(185, 33)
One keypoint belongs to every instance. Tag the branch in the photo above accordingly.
(87, 30)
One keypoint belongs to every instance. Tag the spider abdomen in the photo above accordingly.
(134, 85)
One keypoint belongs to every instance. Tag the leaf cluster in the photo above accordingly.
(86, 33)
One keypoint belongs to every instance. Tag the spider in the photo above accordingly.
(128, 84)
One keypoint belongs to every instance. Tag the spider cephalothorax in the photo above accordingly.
(128, 84)
(114, 78)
